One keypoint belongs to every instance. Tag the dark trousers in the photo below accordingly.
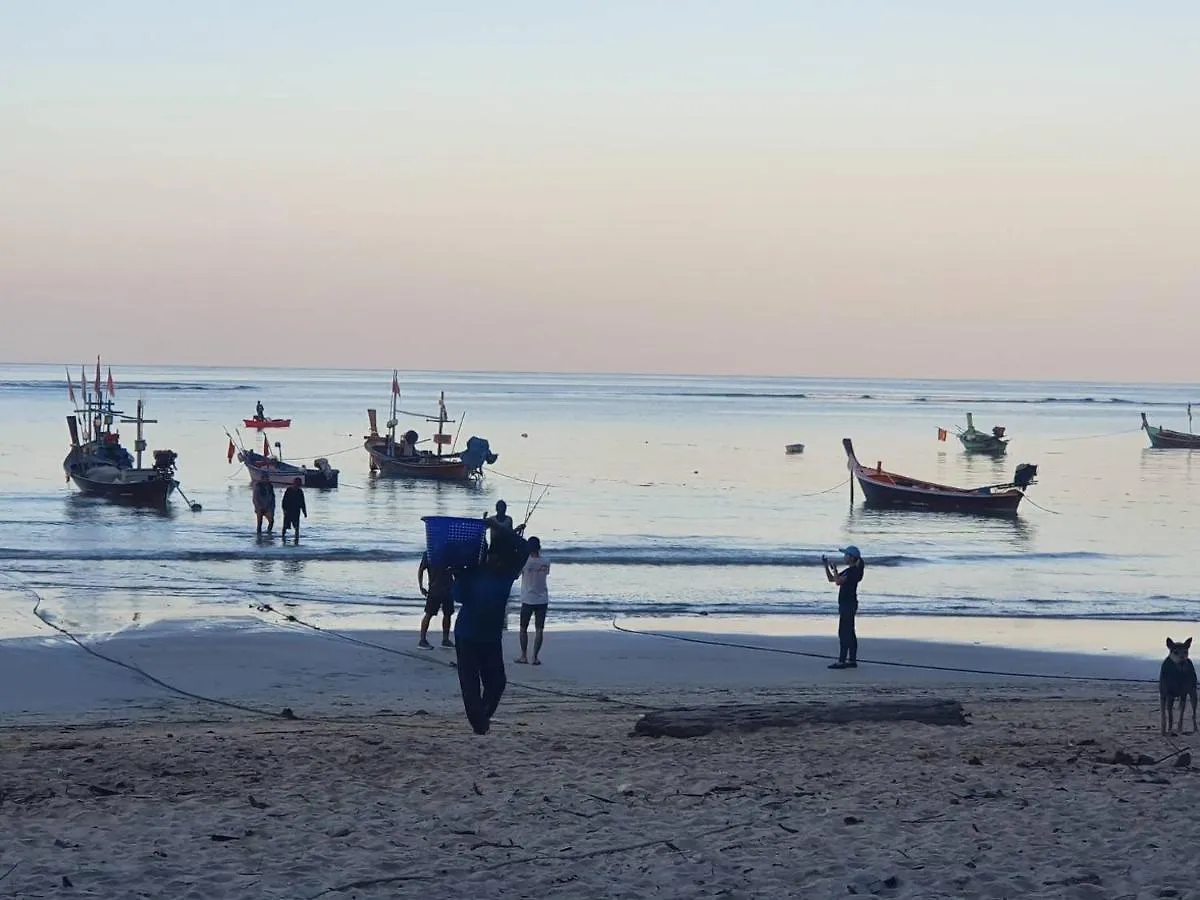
(482, 679)
(847, 639)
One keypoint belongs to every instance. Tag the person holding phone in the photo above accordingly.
(847, 581)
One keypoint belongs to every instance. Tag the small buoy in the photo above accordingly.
(524, 434)
(196, 507)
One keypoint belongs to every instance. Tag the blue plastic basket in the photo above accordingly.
(454, 542)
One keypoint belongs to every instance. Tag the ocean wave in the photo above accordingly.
(123, 386)
(915, 398)
(613, 555)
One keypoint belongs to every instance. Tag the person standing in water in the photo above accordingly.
(847, 581)
(292, 505)
(264, 503)
(481, 593)
(502, 518)
(437, 596)
(535, 599)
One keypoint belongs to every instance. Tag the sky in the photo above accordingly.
(884, 189)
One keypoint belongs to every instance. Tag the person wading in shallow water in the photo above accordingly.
(847, 581)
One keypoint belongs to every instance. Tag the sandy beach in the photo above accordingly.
(113, 787)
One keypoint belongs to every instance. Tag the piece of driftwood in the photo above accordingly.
(696, 721)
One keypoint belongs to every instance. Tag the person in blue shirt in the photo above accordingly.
(481, 594)
(847, 581)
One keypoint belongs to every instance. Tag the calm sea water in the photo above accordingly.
(670, 496)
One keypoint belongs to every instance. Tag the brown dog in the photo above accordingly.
(1176, 681)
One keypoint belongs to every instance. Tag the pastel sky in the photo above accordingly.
(885, 188)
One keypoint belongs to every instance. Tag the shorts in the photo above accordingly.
(537, 612)
(443, 602)
(291, 520)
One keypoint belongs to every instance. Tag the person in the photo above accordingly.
(259, 412)
(292, 505)
(847, 581)
(264, 503)
(535, 598)
(481, 593)
(502, 518)
(437, 596)
(408, 444)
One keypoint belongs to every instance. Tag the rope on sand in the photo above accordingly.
(875, 662)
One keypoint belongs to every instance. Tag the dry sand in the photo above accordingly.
(561, 801)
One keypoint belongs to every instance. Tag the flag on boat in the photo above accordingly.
(112, 388)
(97, 376)
(229, 453)
(395, 383)
(942, 434)
(442, 405)
(266, 446)
(83, 381)
(70, 386)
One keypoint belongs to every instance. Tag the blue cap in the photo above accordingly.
(851, 551)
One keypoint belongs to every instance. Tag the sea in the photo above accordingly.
(665, 499)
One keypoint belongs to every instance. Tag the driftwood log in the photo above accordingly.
(696, 721)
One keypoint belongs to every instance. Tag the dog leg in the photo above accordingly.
(1162, 711)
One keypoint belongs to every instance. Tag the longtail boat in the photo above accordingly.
(260, 424)
(99, 465)
(1166, 439)
(268, 466)
(993, 443)
(402, 457)
(882, 488)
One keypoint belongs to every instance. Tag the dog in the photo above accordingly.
(1176, 681)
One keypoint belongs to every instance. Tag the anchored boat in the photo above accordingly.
(1166, 439)
(99, 465)
(401, 457)
(993, 443)
(270, 467)
(882, 488)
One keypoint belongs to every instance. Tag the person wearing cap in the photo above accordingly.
(847, 581)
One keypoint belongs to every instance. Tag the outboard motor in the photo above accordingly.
(998, 431)
(1024, 475)
(164, 462)
(477, 453)
(328, 472)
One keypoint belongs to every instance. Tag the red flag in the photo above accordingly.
(266, 446)
(942, 434)
(70, 386)
(395, 383)
(112, 388)
(229, 453)
(97, 376)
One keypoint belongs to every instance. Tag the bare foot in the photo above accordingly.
(522, 660)
(537, 662)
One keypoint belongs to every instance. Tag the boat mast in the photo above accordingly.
(441, 421)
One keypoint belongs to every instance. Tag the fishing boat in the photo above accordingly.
(403, 458)
(267, 423)
(882, 488)
(268, 466)
(792, 449)
(99, 465)
(1166, 439)
(993, 443)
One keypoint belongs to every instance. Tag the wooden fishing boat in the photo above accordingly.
(993, 443)
(887, 489)
(270, 467)
(100, 466)
(267, 423)
(404, 459)
(1166, 439)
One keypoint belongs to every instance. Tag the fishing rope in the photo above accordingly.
(285, 713)
(1090, 437)
(534, 483)
(434, 661)
(874, 662)
(840, 484)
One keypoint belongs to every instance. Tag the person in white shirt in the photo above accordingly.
(535, 598)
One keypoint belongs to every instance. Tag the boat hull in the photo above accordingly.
(151, 490)
(983, 443)
(430, 467)
(260, 424)
(882, 489)
(1166, 439)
